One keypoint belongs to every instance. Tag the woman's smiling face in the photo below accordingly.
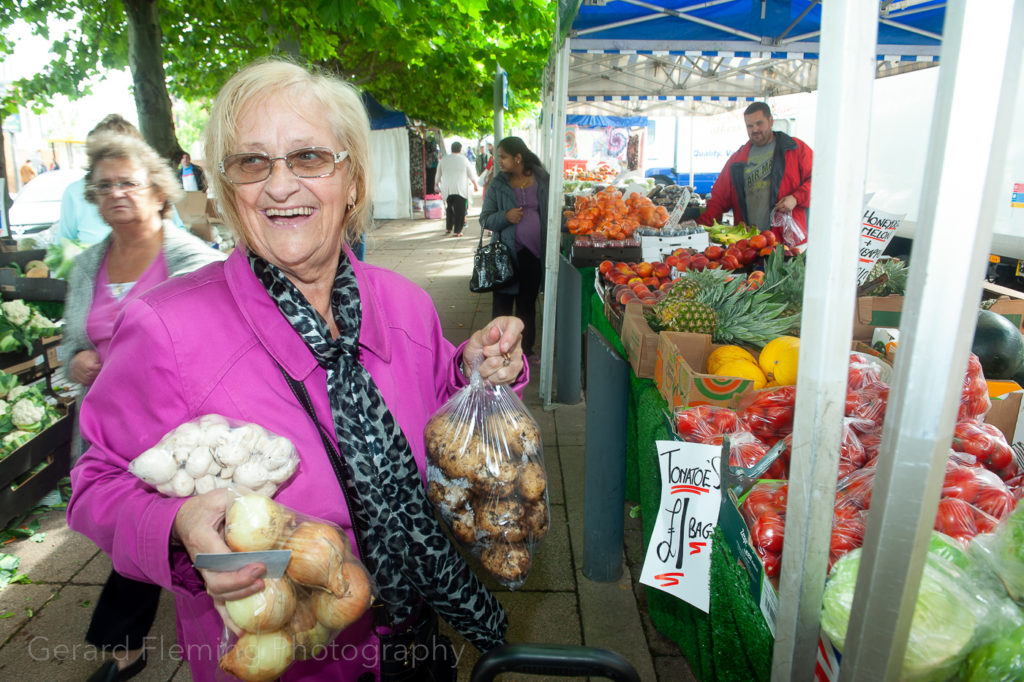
(295, 223)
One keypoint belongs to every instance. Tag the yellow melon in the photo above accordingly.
(724, 354)
(786, 366)
(744, 369)
(770, 354)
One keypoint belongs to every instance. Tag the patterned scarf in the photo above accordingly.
(404, 549)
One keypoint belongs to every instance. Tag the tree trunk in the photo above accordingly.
(145, 56)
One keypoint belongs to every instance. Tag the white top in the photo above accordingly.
(455, 175)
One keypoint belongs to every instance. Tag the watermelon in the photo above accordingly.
(999, 345)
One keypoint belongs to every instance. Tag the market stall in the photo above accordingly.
(895, 541)
(389, 148)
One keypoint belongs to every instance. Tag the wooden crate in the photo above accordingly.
(52, 447)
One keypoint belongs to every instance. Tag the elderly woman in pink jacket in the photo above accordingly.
(291, 310)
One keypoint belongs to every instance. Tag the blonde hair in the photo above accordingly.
(344, 113)
(104, 146)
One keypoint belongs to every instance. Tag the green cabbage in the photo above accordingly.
(998, 661)
(944, 621)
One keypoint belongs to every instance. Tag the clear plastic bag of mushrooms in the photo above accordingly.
(212, 452)
(486, 477)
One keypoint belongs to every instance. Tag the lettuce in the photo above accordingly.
(998, 661)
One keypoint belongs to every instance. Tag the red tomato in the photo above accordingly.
(846, 535)
(781, 496)
(758, 501)
(984, 522)
(725, 420)
(955, 517)
(960, 482)
(995, 502)
(768, 532)
(772, 563)
(1000, 457)
(747, 454)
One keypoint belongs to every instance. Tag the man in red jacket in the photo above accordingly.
(770, 172)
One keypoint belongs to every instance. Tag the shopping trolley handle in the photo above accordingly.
(562, 660)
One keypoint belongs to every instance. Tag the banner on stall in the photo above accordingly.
(678, 557)
(877, 228)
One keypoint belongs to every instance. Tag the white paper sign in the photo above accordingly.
(678, 558)
(877, 228)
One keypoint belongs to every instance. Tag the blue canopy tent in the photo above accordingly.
(630, 56)
(389, 151)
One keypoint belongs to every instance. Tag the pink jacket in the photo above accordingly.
(207, 342)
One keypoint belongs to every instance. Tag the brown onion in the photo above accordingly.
(337, 613)
(253, 523)
(318, 552)
(259, 657)
(309, 634)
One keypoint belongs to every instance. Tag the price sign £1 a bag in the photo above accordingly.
(678, 557)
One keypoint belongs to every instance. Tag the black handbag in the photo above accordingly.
(493, 266)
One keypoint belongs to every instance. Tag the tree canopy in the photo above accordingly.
(434, 61)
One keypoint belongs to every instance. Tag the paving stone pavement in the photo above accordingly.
(42, 624)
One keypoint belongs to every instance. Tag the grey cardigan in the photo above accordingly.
(184, 253)
(498, 200)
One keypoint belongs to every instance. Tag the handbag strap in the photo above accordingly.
(348, 489)
(480, 241)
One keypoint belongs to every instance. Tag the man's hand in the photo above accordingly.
(786, 204)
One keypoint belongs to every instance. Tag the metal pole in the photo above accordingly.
(554, 234)
(499, 106)
(849, 30)
(567, 329)
(604, 478)
(981, 55)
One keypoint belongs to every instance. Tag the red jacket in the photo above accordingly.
(791, 174)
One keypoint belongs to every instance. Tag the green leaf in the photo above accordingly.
(9, 570)
(38, 537)
(9, 614)
(85, 604)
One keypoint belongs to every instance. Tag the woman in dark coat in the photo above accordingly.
(515, 210)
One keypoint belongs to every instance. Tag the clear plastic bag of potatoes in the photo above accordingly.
(325, 589)
(486, 477)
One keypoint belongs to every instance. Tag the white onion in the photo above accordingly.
(253, 523)
(259, 658)
(269, 609)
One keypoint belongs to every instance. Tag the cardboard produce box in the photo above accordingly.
(679, 372)
(639, 340)
(884, 311)
(1006, 415)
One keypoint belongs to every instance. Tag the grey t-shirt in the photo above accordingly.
(757, 176)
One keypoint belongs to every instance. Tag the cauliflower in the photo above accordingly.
(42, 324)
(15, 439)
(16, 311)
(17, 391)
(4, 406)
(27, 415)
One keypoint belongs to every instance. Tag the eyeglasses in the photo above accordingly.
(308, 162)
(105, 188)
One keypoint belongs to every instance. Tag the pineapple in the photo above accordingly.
(730, 314)
(895, 271)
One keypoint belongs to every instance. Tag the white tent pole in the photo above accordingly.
(554, 236)
(840, 164)
(981, 55)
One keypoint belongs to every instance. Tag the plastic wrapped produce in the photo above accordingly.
(324, 590)
(486, 477)
(974, 400)
(214, 452)
(1003, 551)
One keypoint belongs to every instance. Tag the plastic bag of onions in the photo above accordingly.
(486, 477)
(214, 452)
(324, 590)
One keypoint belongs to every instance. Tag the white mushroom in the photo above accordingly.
(181, 452)
(251, 436)
(284, 472)
(205, 484)
(189, 434)
(277, 451)
(182, 484)
(208, 420)
(227, 472)
(199, 462)
(267, 490)
(216, 434)
(231, 453)
(250, 474)
(166, 489)
(154, 466)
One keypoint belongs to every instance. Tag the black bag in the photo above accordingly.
(419, 654)
(493, 266)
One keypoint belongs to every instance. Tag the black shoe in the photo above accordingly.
(108, 672)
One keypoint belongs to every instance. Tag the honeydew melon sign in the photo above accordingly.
(877, 228)
(678, 557)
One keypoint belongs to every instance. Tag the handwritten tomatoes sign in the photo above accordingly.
(678, 558)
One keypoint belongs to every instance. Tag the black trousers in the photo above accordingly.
(124, 614)
(455, 215)
(530, 271)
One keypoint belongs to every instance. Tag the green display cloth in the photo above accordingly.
(733, 642)
(586, 291)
